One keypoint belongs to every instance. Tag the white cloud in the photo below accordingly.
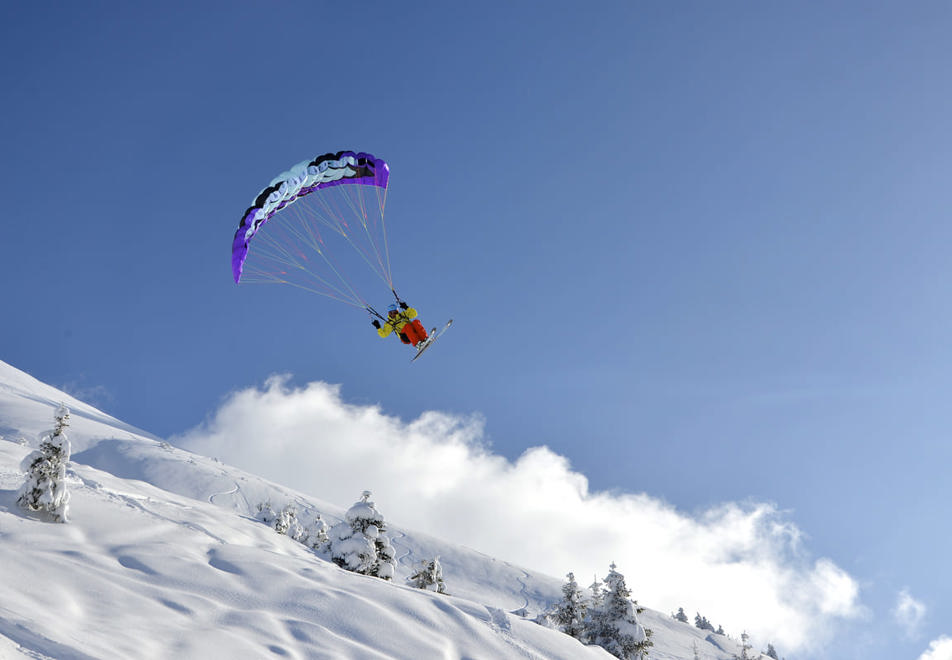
(909, 613)
(740, 565)
(939, 649)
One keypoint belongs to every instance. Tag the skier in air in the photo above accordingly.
(405, 323)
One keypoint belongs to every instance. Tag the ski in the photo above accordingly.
(434, 335)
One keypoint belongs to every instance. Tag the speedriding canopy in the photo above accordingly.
(287, 235)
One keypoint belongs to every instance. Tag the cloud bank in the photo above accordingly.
(742, 566)
(939, 649)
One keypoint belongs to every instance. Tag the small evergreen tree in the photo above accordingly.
(614, 625)
(702, 622)
(315, 534)
(45, 487)
(720, 630)
(359, 543)
(266, 514)
(597, 594)
(430, 576)
(744, 648)
(570, 611)
(285, 520)
(680, 616)
(287, 523)
(771, 652)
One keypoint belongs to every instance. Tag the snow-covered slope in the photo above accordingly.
(162, 558)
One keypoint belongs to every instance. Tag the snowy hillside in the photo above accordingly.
(163, 557)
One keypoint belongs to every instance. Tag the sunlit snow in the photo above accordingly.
(163, 557)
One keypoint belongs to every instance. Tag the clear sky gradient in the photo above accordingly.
(700, 249)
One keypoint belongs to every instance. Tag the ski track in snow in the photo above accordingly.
(402, 559)
(137, 502)
(233, 491)
(523, 589)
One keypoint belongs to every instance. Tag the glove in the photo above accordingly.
(376, 323)
(403, 305)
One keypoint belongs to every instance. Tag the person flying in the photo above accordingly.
(404, 322)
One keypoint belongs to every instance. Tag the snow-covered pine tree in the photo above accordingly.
(570, 611)
(771, 652)
(597, 595)
(702, 622)
(45, 487)
(287, 523)
(315, 533)
(265, 513)
(680, 616)
(359, 543)
(745, 648)
(614, 625)
(352, 551)
(430, 576)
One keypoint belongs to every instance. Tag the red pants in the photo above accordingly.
(414, 332)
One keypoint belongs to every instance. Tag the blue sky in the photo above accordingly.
(699, 250)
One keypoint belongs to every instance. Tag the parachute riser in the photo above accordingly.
(374, 312)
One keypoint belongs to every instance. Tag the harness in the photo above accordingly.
(400, 320)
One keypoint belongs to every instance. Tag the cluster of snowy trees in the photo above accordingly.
(746, 650)
(45, 489)
(358, 543)
(702, 623)
(311, 531)
(608, 617)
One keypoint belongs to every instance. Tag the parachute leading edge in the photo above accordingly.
(344, 167)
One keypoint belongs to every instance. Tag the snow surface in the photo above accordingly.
(163, 557)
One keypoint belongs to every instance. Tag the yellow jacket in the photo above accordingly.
(392, 323)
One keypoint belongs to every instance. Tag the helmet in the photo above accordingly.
(392, 308)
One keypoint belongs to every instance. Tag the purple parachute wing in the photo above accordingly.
(344, 167)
